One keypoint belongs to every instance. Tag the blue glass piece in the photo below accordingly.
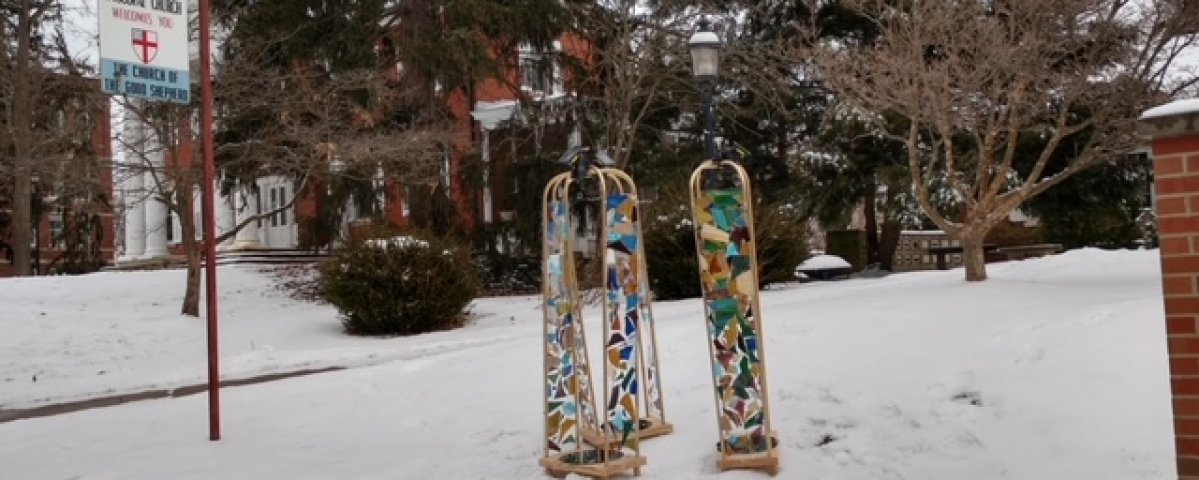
(719, 219)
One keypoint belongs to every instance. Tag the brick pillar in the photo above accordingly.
(1173, 130)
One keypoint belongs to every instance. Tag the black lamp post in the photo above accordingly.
(705, 67)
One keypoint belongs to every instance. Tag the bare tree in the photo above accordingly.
(1002, 100)
(636, 59)
(293, 119)
(35, 71)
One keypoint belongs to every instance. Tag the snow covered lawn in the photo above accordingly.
(1053, 368)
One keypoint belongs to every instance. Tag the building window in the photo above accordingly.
(407, 210)
(379, 184)
(283, 201)
(57, 229)
(445, 173)
(274, 205)
(539, 73)
(534, 76)
(171, 228)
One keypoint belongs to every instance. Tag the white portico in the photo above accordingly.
(152, 231)
(490, 115)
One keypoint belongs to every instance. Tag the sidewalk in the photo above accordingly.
(99, 402)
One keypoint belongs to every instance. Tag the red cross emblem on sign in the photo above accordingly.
(145, 44)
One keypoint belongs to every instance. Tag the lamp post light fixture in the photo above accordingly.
(705, 67)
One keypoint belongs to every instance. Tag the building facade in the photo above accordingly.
(74, 228)
(151, 231)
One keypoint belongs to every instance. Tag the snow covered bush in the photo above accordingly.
(400, 285)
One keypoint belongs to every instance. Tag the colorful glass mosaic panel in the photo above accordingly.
(568, 380)
(726, 255)
(623, 276)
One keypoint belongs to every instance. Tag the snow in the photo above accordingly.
(1053, 368)
(397, 242)
(823, 262)
(1177, 107)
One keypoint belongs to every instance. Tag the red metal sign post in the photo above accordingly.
(209, 217)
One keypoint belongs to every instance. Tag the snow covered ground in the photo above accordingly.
(1053, 368)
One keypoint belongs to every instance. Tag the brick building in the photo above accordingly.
(151, 231)
(86, 179)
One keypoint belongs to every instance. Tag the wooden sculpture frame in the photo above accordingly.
(726, 247)
(568, 399)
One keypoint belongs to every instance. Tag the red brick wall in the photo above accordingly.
(1176, 172)
(100, 138)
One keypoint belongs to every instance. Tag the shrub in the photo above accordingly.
(400, 285)
(849, 245)
(670, 246)
(510, 274)
(670, 249)
(782, 243)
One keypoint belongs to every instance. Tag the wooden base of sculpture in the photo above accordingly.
(558, 468)
(767, 461)
(654, 427)
(649, 428)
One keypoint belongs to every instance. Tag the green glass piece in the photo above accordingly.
(719, 321)
(726, 198)
(726, 307)
(754, 421)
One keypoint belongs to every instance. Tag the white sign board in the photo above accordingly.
(143, 49)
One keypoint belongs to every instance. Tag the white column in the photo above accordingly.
(224, 217)
(247, 206)
(135, 217)
(132, 188)
(487, 207)
(490, 115)
(156, 211)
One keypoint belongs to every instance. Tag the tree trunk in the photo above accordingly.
(888, 243)
(184, 187)
(973, 256)
(187, 225)
(22, 219)
(20, 121)
(868, 210)
(191, 296)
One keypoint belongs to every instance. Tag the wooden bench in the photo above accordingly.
(942, 252)
(1020, 252)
